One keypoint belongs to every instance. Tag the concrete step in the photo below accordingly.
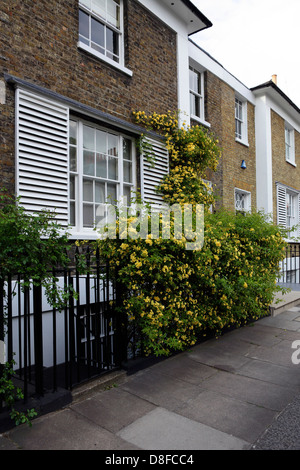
(283, 302)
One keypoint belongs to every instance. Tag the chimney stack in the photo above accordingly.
(274, 79)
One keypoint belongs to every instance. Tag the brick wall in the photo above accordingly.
(282, 171)
(220, 113)
(39, 43)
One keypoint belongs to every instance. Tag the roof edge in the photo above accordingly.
(199, 14)
(271, 84)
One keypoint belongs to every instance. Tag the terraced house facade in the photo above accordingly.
(72, 73)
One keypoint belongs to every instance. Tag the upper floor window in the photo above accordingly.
(101, 30)
(196, 94)
(289, 144)
(241, 121)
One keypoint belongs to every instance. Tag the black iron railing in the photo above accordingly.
(52, 348)
(290, 266)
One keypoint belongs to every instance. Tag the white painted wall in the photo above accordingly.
(264, 180)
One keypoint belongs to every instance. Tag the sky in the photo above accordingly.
(255, 39)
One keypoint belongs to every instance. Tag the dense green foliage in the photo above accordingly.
(30, 246)
(175, 296)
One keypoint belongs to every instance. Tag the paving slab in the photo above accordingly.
(250, 390)
(281, 354)
(272, 373)
(164, 430)
(219, 359)
(160, 389)
(7, 444)
(113, 409)
(232, 416)
(256, 334)
(66, 430)
(184, 367)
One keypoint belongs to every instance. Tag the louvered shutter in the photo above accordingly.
(153, 172)
(281, 205)
(42, 154)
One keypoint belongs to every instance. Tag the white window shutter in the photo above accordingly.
(281, 205)
(42, 154)
(153, 170)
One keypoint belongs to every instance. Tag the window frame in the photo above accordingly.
(247, 209)
(292, 219)
(282, 193)
(79, 176)
(241, 120)
(198, 95)
(289, 145)
(120, 65)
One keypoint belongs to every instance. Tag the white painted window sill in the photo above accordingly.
(200, 121)
(105, 59)
(291, 163)
(84, 234)
(242, 142)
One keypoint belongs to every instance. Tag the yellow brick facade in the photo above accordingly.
(282, 171)
(220, 113)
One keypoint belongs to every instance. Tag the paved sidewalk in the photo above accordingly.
(239, 392)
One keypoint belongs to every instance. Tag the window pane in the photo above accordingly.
(127, 149)
(111, 193)
(88, 163)
(88, 215)
(127, 174)
(98, 33)
(72, 214)
(101, 166)
(195, 105)
(192, 85)
(101, 214)
(192, 104)
(113, 142)
(100, 8)
(86, 3)
(113, 13)
(88, 138)
(72, 187)
(127, 194)
(88, 187)
(101, 142)
(112, 168)
(100, 192)
(239, 110)
(195, 82)
(83, 25)
(112, 44)
(238, 129)
(73, 159)
(73, 133)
